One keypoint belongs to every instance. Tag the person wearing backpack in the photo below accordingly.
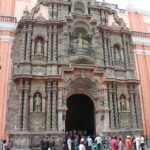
(94, 146)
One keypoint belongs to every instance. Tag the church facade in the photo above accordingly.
(72, 72)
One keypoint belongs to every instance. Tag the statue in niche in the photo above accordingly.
(37, 103)
(117, 53)
(80, 42)
(39, 48)
(122, 55)
(123, 106)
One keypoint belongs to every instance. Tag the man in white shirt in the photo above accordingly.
(98, 140)
(137, 141)
(89, 142)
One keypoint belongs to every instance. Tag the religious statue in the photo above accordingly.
(117, 53)
(123, 106)
(80, 42)
(37, 103)
(39, 48)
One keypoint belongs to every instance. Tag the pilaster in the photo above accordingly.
(28, 43)
(26, 107)
(112, 119)
(50, 11)
(48, 117)
(19, 114)
(24, 30)
(105, 48)
(50, 44)
(54, 115)
(55, 44)
(60, 114)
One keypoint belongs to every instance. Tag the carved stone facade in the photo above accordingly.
(74, 48)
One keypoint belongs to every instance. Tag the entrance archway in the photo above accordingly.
(80, 115)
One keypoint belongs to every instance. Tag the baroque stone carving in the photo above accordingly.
(42, 55)
(80, 42)
(37, 103)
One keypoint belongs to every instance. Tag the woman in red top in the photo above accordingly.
(128, 144)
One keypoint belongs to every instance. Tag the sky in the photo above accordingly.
(139, 4)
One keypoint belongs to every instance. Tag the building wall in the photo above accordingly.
(137, 22)
(140, 24)
(7, 27)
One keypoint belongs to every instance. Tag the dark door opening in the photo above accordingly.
(80, 115)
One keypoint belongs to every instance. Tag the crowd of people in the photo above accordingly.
(47, 144)
(104, 143)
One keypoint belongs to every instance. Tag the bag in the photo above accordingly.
(49, 148)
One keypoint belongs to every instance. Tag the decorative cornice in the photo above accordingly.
(9, 26)
(141, 41)
(6, 38)
(141, 52)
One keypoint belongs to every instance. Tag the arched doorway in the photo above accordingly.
(80, 115)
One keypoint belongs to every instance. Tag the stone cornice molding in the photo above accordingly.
(8, 26)
(142, 52)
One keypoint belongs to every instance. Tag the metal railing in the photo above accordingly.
(11, 19)
(140, 34)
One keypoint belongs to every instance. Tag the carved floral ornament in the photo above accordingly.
(86, 86)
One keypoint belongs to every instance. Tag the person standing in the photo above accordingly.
(120, 144)
(114, 143)
(46, 144)
(89, 142)
(5, 145)
(94, 146)
(138, 142)
(98, 140)
(69, 143)
(81, 146)
(128, 143)
(142, 142)
(76, 142)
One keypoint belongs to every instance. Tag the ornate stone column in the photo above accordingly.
(116, 108)
(106, 113)
(45, 47)
(60, 12)
(50, 44)
(26, 107)
(48, 118)
(28, 43)
(110, 50)
(50, 11)
(54, 115)
(103, 18)
(105, 48)
(24, 30)
(55, 11)
(125, 50)
(134, 125)
(54, 44)
(112, 122)
(19, 114)
(138, 108)
(130, 53)
(60, 114)
(98, 115)
(33, 44)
